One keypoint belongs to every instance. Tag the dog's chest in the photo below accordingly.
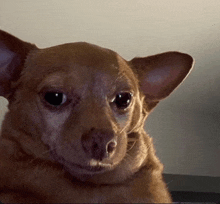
(37, 185)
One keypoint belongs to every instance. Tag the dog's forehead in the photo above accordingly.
(81, 53)
(79, 61)
(80, 57)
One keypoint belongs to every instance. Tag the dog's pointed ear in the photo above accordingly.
(160, 74)
(13, 53)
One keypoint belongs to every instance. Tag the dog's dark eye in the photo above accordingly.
(123, 100)
(55, 98)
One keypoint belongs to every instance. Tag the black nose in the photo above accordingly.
(99, 143)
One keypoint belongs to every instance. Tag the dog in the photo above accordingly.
(74, 132)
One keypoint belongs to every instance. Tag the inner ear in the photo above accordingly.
(8, 63)
(160, 74)
(13, 53)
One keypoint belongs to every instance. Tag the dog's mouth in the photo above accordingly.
(92, 167)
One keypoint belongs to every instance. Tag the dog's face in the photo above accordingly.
(84, 102)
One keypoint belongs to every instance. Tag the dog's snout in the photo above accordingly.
(99, 144)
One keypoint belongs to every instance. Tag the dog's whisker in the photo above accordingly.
(128, 157)
(134, 142)
(130, 139)
(43, 153)
(122, 130)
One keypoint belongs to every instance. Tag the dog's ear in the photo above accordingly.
(160, 74)
(13, 53)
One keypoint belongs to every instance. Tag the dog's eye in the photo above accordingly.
(123, 100)
(55, 98)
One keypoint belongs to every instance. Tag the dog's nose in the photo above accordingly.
(111, 146)
(99, 144)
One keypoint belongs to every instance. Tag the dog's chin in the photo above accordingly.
(82, 172)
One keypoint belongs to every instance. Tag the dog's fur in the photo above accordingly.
(92, 147)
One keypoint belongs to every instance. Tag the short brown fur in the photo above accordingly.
(91, 148)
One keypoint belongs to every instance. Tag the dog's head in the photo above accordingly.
(85, 103)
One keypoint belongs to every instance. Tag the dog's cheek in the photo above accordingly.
(54, 122)
(137, 117)
(121, 147)
(131, 119)
(122, 120)
(25, 115)
(61, 138)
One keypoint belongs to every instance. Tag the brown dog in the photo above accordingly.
(74, 129)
